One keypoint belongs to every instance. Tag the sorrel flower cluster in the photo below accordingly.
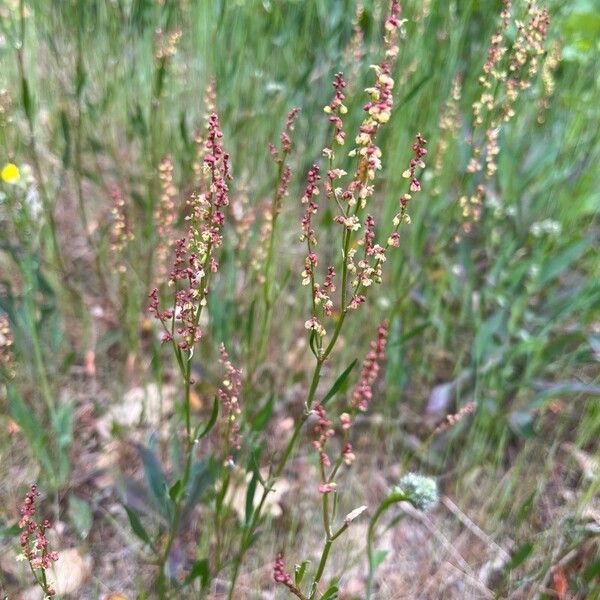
(34, 544)
(120, 232)
(263, 256)
(229, 397)
(336, 108)
(165, 215)
(352, 198)
(281, 576)
(194, 254)
(7, 364)
(363, 392)
(507, 71)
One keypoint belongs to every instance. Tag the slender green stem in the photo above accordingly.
(321, 568)
(249, 531)
(269, 266)
(389, 501)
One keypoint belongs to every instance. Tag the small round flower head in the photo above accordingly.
(10, 173)
(421, 490)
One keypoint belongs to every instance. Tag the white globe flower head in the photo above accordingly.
(421, 491)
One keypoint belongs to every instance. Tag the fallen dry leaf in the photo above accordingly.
(137, 402)
(559, 582)
(90, 363)
(70, 571)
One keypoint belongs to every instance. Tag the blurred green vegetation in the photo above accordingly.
(507, 316)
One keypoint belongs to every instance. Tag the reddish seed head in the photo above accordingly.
(363, 392)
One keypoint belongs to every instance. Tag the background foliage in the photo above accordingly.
(506, 316)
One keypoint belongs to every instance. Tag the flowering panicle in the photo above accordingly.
(210, 107)
(352, 198)
(279, 156)
(308, 235)
(285, 137)
(34, 544)
(262, 260)
(323, 292)
(378, 109)
(452, 420)
(471, 208)
(165, 216)
(120, 232)
(323, 431)
(229, 396)
(323, 428)
(549, 66)
(449, 124)
(5, 106)
(335, 109)
(261, 247)
(194, 254)
(166, 43)
(370, 370)
(506, 72)
(368, 270)
(416, 162)
(7, 359)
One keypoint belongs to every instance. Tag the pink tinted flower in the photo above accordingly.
(194, 254)
(228, 394)
(370, 370)
(280, 576)
(34, 544)
(327, 488)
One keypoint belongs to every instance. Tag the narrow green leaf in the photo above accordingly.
(250, 496)
(311, 343)
(9, 531)
(592, 572)
(64, 425)
(519, 556)
(80, 514)
(199, 569)
(553, 268)
(175, 490)
(136, 525)
(300, 571)
(156, 480)
(485, 335)
(339, 382)
(202, 476)
(32, 429)
(250, 324)
(379, 557)
(26, 99)
(263, 416)
(213, 419)
(331, 593)
(64, 124)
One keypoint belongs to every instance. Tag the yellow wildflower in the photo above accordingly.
(10, 173)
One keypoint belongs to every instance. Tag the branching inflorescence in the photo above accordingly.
(358, 273)
(507, 71)
(35, 547)
(361, 268)
(194, 254)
